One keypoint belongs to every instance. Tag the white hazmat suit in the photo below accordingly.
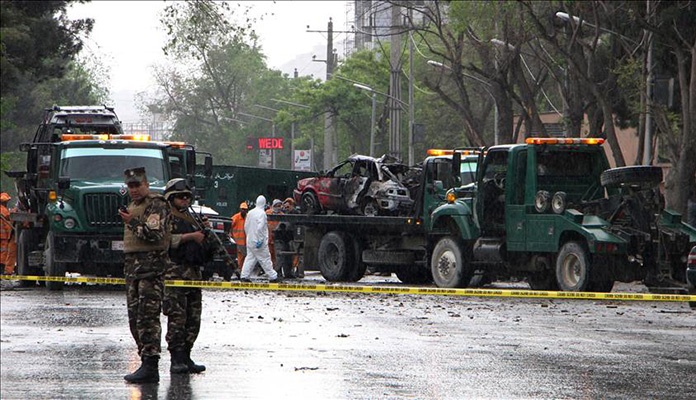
(256, 229)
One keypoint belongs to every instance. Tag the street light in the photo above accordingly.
(374, 109)
(496, 129)
(398, 101)
(363, 86)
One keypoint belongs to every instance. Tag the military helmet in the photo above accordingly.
(176, 186)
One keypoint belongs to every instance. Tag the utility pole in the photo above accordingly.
(647, 147)
(395, 83)
(411, 109)
(330, 148)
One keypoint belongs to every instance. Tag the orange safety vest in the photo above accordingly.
(5, 224)
(237, 232)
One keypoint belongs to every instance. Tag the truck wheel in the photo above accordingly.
(335, 256)
(25, 245)
(53, 268)
(449, 268)
(413, 275)
(310, 204)
(645, 176)
(573, 268)
(359, 267)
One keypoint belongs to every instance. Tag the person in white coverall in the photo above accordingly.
(256, 229)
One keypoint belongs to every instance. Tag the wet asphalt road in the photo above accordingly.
(306, 345)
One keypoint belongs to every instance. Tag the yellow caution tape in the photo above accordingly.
(311, 287)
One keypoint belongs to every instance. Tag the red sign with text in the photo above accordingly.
(271, 143)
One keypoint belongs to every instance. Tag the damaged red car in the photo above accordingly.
(359, 185)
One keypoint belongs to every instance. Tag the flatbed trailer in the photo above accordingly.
(342, 246)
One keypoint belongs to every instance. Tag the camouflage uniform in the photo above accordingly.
(144, 271)
(183, 306)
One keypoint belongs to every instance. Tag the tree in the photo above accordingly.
(215, 77)
(38, 44)
(40, 67)
(672, 25)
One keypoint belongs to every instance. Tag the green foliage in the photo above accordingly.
(39, 66)
(37, 40)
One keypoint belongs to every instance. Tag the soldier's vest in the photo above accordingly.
(133, 244)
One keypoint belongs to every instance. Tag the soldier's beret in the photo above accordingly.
(135, 175)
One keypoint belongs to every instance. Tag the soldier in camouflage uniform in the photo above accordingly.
(182, 305)
(146, 240)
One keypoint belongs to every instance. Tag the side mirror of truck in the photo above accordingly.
(438, 186)
(24, 147)
(63, 182)
(435, 187)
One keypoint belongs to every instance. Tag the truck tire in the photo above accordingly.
(25, 245)
(449, 267)
(359, 267)
(309, 203)
(573, 268)
(53, 268)
(413, 275)
(645, 176)
(335, 256)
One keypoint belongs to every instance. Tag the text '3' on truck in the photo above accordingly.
(69, 195)
(549, 210)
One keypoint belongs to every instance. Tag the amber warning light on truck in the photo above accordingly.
(532, 140)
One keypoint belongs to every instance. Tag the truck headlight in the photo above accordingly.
(69, 223)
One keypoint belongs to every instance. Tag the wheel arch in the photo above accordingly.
(574, 236)
(455, 225)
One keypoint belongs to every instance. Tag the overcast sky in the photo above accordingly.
(128, 37)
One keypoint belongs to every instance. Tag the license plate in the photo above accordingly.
(117, 245)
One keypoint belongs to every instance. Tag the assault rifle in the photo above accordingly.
(213, 242)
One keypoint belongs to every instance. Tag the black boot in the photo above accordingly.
(178, 362)
(147, 373)
(192, 366)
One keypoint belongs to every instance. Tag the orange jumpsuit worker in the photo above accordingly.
(238, 234)
(8, 246)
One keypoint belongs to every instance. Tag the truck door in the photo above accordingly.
(490, 204)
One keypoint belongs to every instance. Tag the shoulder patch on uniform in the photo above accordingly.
(153, 221)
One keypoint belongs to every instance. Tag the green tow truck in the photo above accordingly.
(549, 210)
(73, 186)
(342, 246)
(552, 211)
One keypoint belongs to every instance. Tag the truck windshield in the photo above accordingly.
(94, 163)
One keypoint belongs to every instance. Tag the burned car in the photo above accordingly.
(359, 185)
